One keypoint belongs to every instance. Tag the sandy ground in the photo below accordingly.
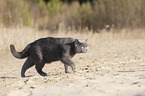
(110, 68)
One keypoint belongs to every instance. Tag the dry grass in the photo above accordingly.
(121, 13)
(22, 36)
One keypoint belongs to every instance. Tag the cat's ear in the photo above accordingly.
(86, 40)
(76, 42)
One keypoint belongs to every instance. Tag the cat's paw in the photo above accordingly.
(43, 74)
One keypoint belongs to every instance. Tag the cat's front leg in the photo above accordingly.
(66, 68)
(68, 62)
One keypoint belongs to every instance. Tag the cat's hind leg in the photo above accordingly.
(39, 66)
(28, 63)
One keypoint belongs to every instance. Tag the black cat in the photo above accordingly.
(47, 50)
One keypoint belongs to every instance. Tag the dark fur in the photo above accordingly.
(47, 50)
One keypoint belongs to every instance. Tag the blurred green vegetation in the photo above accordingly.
(74, 14)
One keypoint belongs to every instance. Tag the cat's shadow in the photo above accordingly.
(8, 77)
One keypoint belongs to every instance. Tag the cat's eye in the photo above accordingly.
(85, 47)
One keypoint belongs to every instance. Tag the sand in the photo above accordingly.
(110, 68)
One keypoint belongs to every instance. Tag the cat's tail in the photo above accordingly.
(20, 55)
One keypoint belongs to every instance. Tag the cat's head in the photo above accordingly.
(81, 46)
